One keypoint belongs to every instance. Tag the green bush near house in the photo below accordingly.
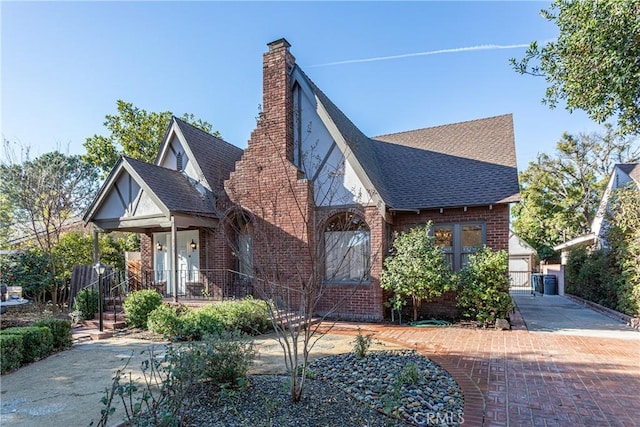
(86, 302)
(37, 341)
(139, 304)
(484, 287)
(167, 320)
(10, 352)
(247, 315)
(60, 329)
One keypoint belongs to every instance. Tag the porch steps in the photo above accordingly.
(113, 319)
(292, 320)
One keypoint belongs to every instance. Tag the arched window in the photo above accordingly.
(346, 249)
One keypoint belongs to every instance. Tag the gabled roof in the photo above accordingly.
(470, 163)
(216, 158)
(169, 189)
(631, 169)
(172, 188)
(464, 164)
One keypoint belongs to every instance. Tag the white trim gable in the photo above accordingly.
(125, 198)
(174, 143)
(336, 159)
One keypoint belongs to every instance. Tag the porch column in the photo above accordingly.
(174, 258)
(96, 248)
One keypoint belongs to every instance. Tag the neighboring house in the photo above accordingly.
(522, 263)
(24, 233)
(623, 174)
(310, 196)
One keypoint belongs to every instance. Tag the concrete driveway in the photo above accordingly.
(557, 314)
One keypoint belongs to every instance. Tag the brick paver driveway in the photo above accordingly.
(522, 378)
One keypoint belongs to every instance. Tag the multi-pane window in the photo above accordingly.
(346, 249)
(458, 241)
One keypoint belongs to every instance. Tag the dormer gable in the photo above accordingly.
(176, 154)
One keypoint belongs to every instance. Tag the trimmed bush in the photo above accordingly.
(167, 320)
(139, 305)
(247, 315)
(61, 331)
(37, 341)
(86, 302)
(484, 287)
(10, 352)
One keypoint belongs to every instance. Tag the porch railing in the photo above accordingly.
(210, 284)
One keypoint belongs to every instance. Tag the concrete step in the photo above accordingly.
(83, 333)
(107, 325)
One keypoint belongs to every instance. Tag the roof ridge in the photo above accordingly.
(196, 128)
(444, 125)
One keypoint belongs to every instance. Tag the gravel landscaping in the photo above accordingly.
(341, 390)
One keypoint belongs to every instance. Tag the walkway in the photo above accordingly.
(522, 378)
(509, 378)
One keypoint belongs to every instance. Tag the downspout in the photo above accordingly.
(174, 258)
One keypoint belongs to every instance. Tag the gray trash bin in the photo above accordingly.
(550, 284)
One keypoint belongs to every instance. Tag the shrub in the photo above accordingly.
(164, 394)
(592, 276)
(60, 329)
(198, 323)
(139, 304)
(10, 352)
(37, 341)
(484, 287)
(361, 344)
(248, 315)
(86, 302)
(417, 269)
(167, 320)
(226, 356)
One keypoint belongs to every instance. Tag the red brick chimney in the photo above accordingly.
(277, 99)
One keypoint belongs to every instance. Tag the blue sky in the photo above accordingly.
(64, 65)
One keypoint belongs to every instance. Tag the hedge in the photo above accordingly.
(37, 341)
(61, 330)
(10, 352)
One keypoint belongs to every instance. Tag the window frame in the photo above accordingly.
(458, 251)
(354, 264)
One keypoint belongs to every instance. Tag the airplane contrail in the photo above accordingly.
(431, 52)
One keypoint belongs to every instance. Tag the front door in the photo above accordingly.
(188, 265)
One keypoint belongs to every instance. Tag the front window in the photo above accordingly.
(346, 249)
(458, 241)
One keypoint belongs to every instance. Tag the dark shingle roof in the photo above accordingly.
(462, 164)
(361, 146)
(217, 158)
(631, 169)
(172, 188)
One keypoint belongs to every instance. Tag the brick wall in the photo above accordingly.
(497, 233)
(266, 184)
(496, 220)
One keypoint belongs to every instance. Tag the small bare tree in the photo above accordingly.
(305, 249)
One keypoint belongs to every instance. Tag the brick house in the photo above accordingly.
(311, 200)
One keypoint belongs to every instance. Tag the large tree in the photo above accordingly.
(593, 65)
(561, 192)
(133, 132)
(46, 193)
